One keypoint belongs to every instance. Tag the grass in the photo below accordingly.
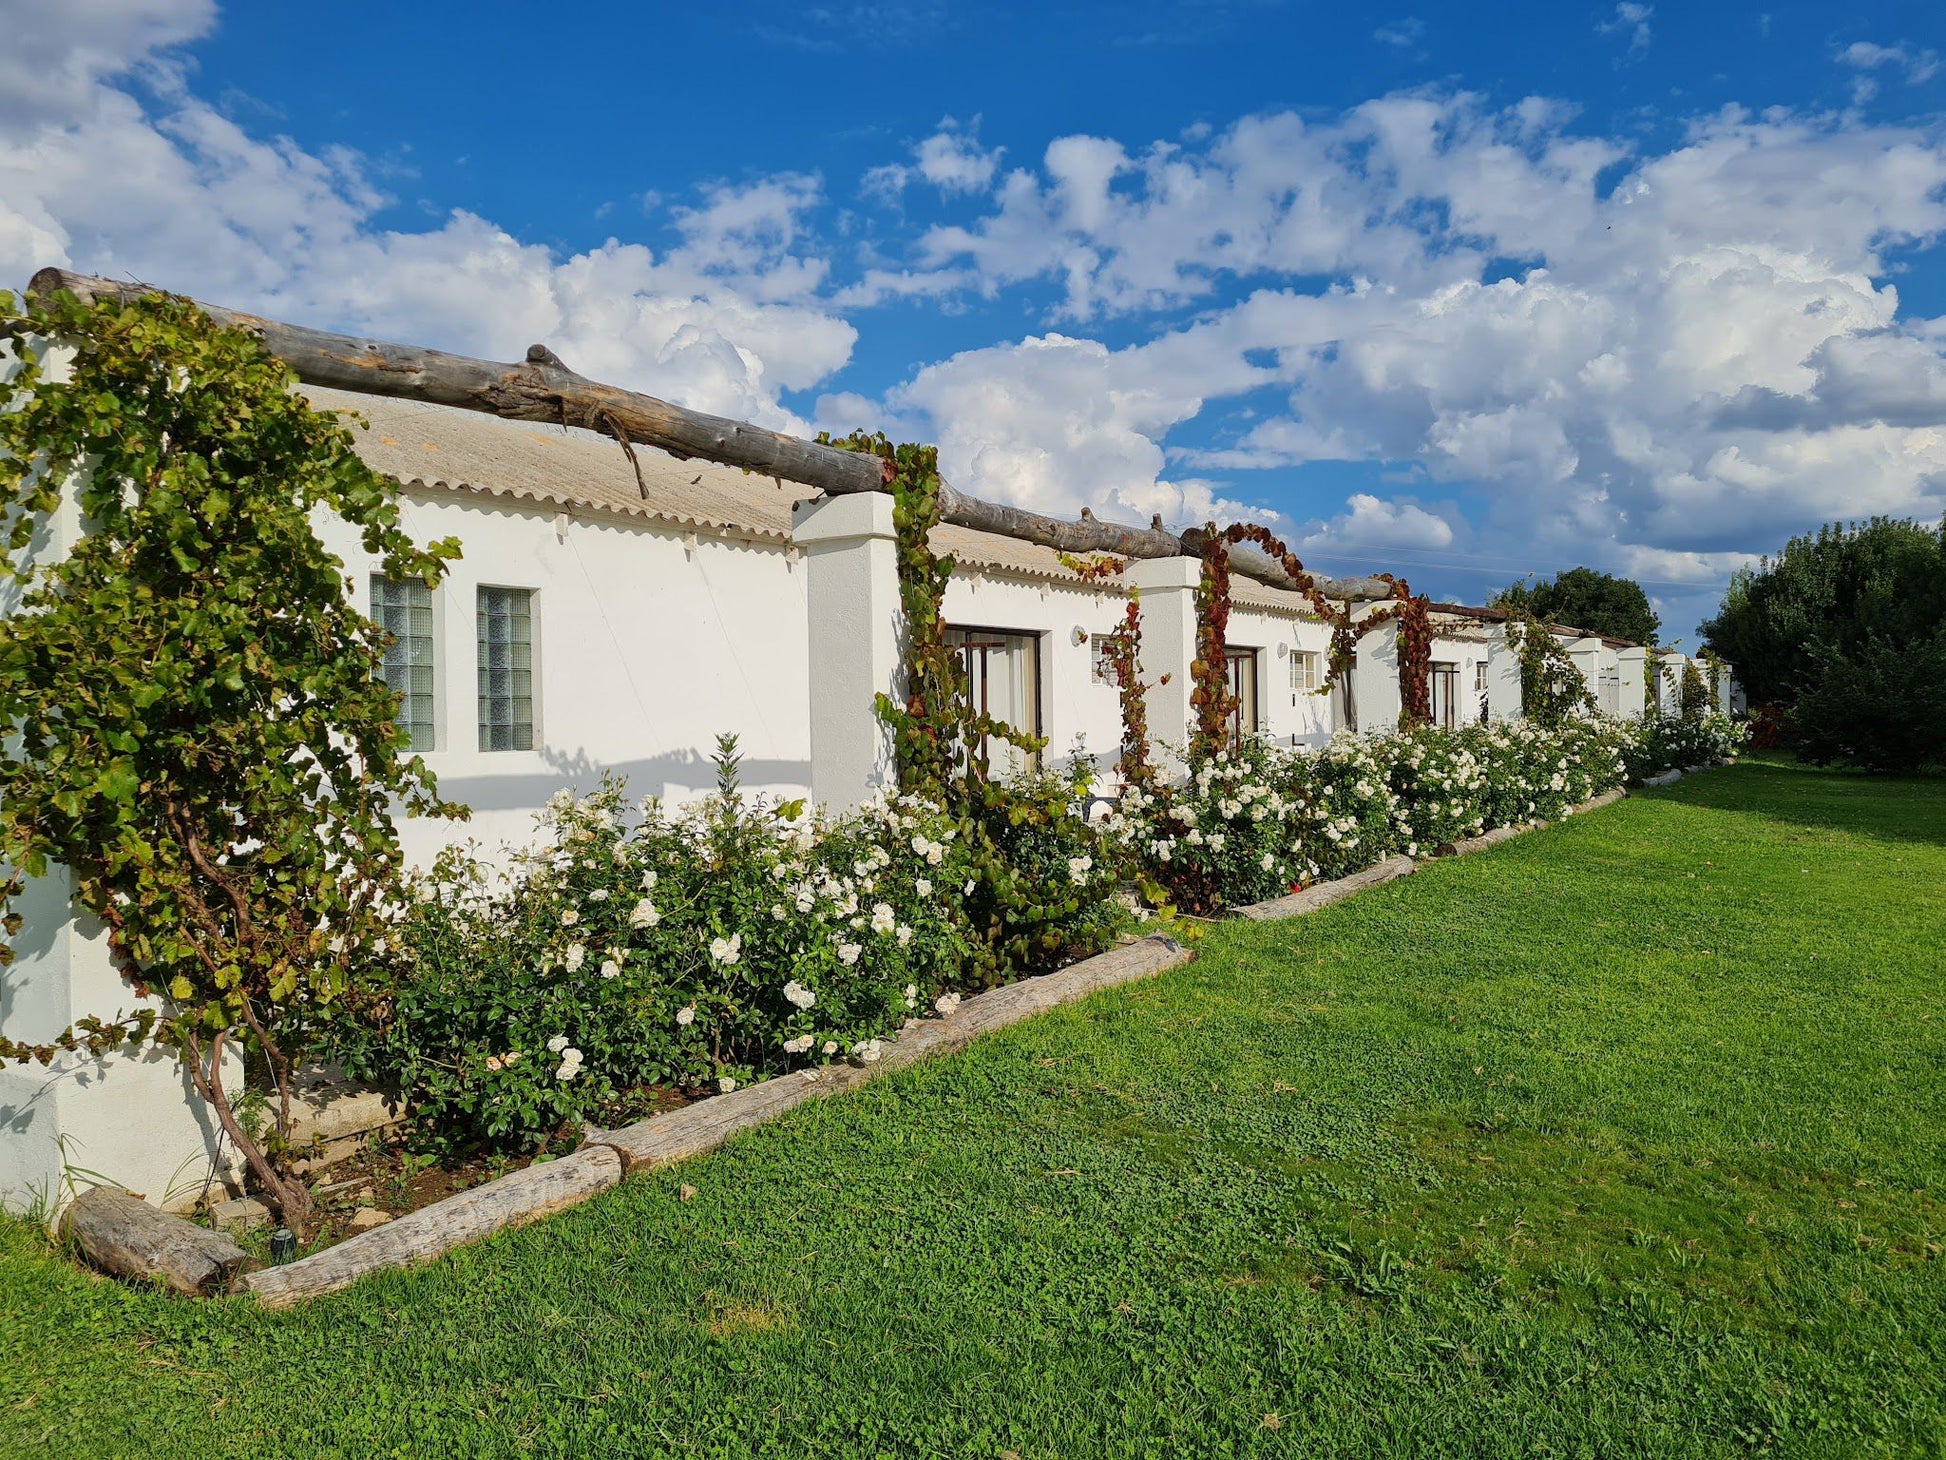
(1626, 1138)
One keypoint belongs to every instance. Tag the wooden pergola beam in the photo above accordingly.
(542, 388)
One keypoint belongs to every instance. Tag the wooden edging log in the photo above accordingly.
(607, 1156)
(1326, 893)
(123, 1234)
(1667, 778)
(677, 1135)
(432, 1231)
(543, 389)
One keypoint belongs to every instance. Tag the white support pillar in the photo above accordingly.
(1168, 589)
(856, 627)
(1632, 670)
(1586, 657)
(1667, 665)
(1375, 679)
(1503, 676)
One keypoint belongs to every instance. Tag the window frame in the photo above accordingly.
(1305, 667)
(1028, 761)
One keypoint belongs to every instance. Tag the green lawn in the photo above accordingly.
(1625, 1138)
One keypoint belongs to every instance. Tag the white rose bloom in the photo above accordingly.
(558, 1043)
(648, 880)
(726, 950)
(570, 918)
(830, 1047)
(726, 1084)
(577, 954)
(797, 994)
(798, 1045)
(644, 915)
(686, 1015)
(905, 935)
(867, 1050)
(611, 969)
(883, 918)
(923, 887)
(848, 953)
(946, 1003)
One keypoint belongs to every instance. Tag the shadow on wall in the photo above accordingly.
(670, 775)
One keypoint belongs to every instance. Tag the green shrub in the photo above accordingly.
(711, 945)
(634, 953)
(1876, 705)
(1250, 824)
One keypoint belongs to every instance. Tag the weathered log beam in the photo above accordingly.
(513, 1200)
(123, 1234)
(542, 388)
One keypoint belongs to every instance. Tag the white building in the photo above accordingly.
(592, 629)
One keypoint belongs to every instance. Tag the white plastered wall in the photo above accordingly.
(1287, 715)
(648, 642)
(1065, 618)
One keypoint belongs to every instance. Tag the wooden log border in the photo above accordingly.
(607, 1157)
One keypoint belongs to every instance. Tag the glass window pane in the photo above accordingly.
(506, 690)
(404, 611)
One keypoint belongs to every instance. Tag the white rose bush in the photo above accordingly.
(640, 954)
(1254, 822)
(631, 956)
(637, 954)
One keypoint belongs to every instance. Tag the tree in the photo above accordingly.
(201, 733)
(1584, 598)
(1844, 631)
(1839, 586)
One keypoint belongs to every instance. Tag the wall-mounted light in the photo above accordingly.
(1080, 635)
(1283, 651)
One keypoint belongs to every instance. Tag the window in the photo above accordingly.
(404, 610)
(1242, 667)
(1003, 678)
(1480, 677)
(506, 669)
(1445, 690)
(1304, 671)
(1101, 648)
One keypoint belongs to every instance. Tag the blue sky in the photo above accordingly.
(1645, 287)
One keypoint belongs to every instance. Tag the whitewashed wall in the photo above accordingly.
(1071, 703)
(647, 643)
(1287, 715)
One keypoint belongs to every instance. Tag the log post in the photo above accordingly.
(124, 1235)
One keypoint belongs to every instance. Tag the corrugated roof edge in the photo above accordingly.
(570, 502)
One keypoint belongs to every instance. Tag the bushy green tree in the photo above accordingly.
(1841, 631)
(1585, 598)
(199, 731)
